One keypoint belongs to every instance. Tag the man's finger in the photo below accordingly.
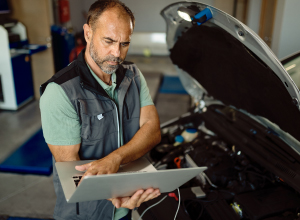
(88, 173)
(102, 172)
(153, 195)
(148, 195)
(132, 202)
(83, 167)
(145, 195)
(117, 202)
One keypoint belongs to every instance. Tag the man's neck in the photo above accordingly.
(106, 78)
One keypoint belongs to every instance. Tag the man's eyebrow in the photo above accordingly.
(108, 38)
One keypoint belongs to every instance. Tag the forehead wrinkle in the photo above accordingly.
(108, 38)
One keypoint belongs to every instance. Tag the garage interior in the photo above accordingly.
(32, 196)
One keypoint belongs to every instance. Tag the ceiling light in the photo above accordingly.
(184, 16)
(194, 15)
(290, 67)
(186, 13)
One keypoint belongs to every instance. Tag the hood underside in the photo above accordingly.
(233, 74)
(248, 79)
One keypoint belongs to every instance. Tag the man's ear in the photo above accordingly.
(88, 32)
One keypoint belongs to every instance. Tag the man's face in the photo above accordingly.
(110, 40)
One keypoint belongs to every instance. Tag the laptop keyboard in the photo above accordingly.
(77, 179)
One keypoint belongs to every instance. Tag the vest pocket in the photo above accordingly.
(97, 119)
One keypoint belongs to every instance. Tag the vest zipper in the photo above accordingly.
(77, 208)
(113, 214)
(127, 111)
(118, 124)
(80, 110)
(117, 113)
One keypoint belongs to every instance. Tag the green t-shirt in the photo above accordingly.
(61, 124)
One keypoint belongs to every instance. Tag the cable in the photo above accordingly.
(206, 177)
(178, 203)
(152, 206)
(258, 174)
(160, 202)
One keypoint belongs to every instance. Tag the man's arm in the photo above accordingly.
(144, 140)
(65, 153)
(53, 103)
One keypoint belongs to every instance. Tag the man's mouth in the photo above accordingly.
(112, 62)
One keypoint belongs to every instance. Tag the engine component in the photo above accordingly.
(214, 207)
(267, 202)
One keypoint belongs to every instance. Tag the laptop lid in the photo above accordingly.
(139, 174)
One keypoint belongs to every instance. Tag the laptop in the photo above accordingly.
(139, 174)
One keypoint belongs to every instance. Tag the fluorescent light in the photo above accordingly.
(290, 67)
(158, 38)
(184, 16)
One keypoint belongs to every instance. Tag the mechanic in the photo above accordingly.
(99, 107)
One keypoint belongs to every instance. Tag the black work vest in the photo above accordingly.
(100, 120)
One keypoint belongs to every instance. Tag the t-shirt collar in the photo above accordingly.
(103, 84)
(88, 79)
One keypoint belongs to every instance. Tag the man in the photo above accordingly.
(98, 109)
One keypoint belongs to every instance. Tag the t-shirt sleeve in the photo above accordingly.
(60, 122)
(145, 98)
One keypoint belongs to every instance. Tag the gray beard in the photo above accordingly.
(109, 69)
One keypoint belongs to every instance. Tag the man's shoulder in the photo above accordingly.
(65, 74)
(131, 66)
(62, 76)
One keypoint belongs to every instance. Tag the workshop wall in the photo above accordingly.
(77, 12)
(253, 16)
(286, 32)
(148, 19)
(147, 13)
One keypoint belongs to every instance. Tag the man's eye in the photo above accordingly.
(108, 42)
(124, 44)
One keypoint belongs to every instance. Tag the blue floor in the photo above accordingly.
(171, 85)
(33, 157)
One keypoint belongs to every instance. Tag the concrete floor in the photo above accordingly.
(32, 195)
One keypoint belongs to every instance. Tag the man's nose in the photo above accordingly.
(116, 50)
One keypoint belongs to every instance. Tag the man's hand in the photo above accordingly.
(107, 165)
(136, 199)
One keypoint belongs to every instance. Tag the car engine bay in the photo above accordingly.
(235, 185)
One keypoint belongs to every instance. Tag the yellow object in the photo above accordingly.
(236, 207)
(147, 52)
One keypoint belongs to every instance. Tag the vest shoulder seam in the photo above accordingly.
(66, 74)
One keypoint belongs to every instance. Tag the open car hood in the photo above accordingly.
(225, 59)
(223, 62)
